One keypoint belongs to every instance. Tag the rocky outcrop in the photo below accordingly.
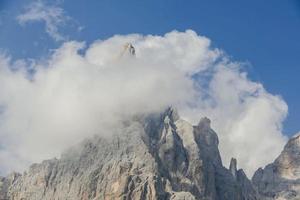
(281, 179)
(158, 156)
(5, 183)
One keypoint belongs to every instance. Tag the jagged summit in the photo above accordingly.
(233, 167)
(204, 123)
(293, 144)
(172, 113)
(158, 156)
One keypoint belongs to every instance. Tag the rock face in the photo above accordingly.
(158, 156)
(281, 179)
(5, 183)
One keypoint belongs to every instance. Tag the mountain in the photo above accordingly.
(280, 180)
(158, 156)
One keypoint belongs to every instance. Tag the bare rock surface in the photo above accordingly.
(280, 180)
(158, 156)
(5, 183)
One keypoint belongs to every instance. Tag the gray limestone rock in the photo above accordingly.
(5, 183)
(281, 179)
(158, 156)
(233, 168)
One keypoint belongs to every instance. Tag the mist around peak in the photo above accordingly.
(82, 90)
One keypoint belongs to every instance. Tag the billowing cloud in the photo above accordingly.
(52, 15)
(246, 117)
(81, 91)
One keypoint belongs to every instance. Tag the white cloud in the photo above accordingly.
(76, 95)
(246, 117)
(52, 15)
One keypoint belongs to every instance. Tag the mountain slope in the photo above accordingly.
(281, 179)
(158, 156)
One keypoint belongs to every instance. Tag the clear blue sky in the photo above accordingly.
(263, 33)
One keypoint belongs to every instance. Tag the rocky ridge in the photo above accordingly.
(158, 156)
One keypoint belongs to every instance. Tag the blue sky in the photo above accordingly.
(263, 33)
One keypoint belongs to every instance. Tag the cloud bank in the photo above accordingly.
(85, 90)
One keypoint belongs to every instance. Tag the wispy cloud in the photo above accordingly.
(53, 16)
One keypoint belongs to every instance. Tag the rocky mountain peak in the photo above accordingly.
(204, 133)
(172, 114)
(204, 123)
(288, 163)
(293, 144)
(160, 156)
(233, 167)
